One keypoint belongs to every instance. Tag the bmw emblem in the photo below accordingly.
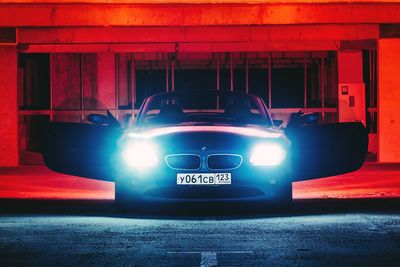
(203, 148)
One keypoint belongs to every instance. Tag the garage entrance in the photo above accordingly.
(69, 86)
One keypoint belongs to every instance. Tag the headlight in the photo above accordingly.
(140, 154)
(267, 154)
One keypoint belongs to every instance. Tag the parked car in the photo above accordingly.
(208, 146)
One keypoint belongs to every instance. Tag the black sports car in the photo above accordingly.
(209, 146)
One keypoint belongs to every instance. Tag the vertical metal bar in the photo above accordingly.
(370, 114)
(374, 76)
(51, 87)
(82, 85)
(133, 82)
(323, 86)
(370, 76)
(166, 75)
(93, 79)
(372, 79)
(81, 80)
(217, 59)
(116, 64)
(375, 87)
(247, 74)
(16, 36)
(173, 75)
(305, 82)
(372, 100)
(269, 80)
(20, 93)
(231, 68)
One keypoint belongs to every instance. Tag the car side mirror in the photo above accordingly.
(301, 119)
(99, 119)
(277, 123)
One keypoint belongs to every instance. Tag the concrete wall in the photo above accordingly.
(194, 14)
(68, 70)
(350, 68)
(389, 100)
(65, 81)
(8, 107)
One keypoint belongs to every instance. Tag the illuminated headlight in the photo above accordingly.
(267, 154)
(140, 154)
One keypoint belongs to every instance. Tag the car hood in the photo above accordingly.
(248, 130)
(211, 138)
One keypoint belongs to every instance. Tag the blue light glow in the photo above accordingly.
(140, 154)
(267, 154)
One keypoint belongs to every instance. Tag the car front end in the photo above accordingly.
(204, 163)
(213, 147)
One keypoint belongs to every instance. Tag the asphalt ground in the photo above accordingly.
(315, 232)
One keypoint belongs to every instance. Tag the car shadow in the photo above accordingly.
(215, 211)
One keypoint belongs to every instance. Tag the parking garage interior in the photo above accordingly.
(65, 67)
(63, 60)
(70, 86)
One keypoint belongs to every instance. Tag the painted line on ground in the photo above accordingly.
(210, 258)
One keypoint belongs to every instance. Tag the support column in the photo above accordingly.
(351, 91)
(8, 107)
(388, 100)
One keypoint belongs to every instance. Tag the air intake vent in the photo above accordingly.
(183, 161)
(224, 161)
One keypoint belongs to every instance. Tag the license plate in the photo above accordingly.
(203, 178)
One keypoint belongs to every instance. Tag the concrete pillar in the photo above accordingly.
(8, 107)
(106, 96)
(388, 100)
(351, 91)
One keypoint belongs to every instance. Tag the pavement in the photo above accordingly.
(324, 232)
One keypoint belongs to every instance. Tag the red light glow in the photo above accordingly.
(371, 181)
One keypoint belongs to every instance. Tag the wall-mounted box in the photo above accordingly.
(351, 97)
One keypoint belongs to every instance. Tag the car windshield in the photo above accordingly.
(203, 109)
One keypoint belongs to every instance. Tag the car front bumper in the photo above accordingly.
(248, 183)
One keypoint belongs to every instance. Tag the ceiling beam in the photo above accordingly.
(96, 14)
(212, 34)
(184, 47)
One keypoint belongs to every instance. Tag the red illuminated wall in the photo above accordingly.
(8, 107)
(389, 100)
